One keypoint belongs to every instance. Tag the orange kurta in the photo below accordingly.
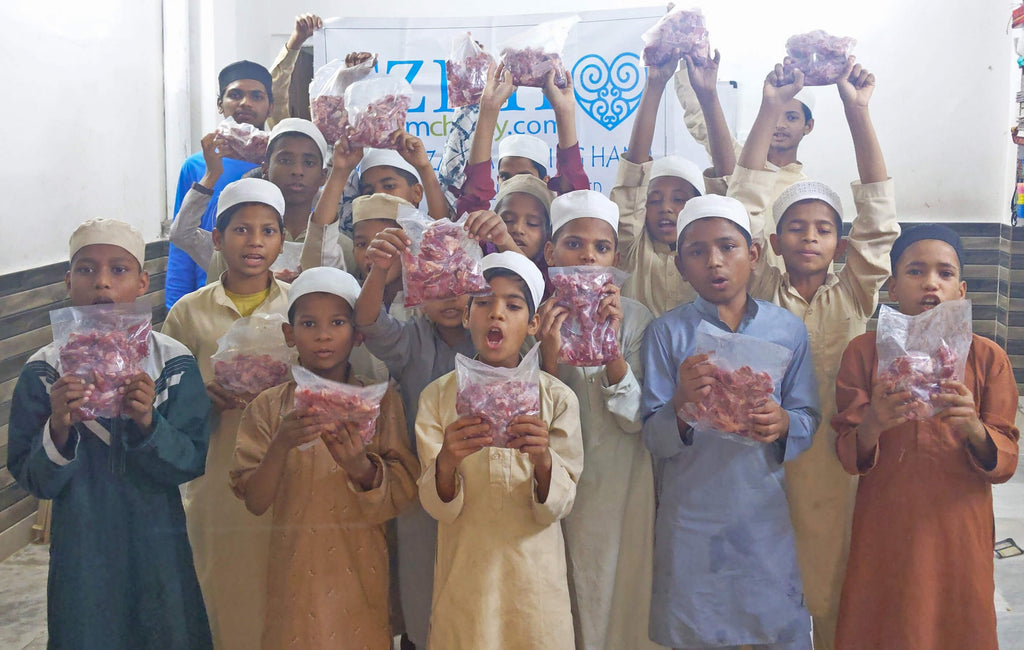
(920, 567)
(327, 579)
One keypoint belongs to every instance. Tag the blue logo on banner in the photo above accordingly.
(608, 93)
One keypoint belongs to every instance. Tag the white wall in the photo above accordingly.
(82, 116)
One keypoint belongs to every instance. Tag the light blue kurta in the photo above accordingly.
(725, 570)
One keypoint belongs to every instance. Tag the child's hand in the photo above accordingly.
(345, 158)
(497, 89)
(484, 225)
(66, 395)
(958, 411)
(387, 247)
(609, 310)
(856, 85)
(349, 452)
(885, 411)
(770, 421)
(410, 148)
(695, 380)
(658, 76)
(562, 100)
(137, 400)
(462, 438)
(778, 90)
(353, 59)
(551, 315)
(225, 400)
(305, 25)
(213, 158)
(297, 428)
(530, 437)
(703, 74)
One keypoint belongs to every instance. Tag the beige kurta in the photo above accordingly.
(500, 575)
(327, 576)
(280, 83)
(820, 493)
(229, 543)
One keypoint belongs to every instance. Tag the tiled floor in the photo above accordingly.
(23, 579)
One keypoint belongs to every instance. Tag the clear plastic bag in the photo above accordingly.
(496, 395)
(327, 95)
(915, 353)
(682, 29)
(342, 402)
(104, 345)
(466, 69)
(747, 369)
(252, 355)
(585, 340)
(819, 55)
(376, 108)
(443, 261)
(287, 266)
(242, 141)
(531, 54)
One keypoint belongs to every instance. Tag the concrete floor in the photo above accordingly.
(23, 579)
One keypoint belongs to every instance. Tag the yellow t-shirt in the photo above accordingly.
(246, 304)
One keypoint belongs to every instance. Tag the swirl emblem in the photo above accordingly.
(608, 93)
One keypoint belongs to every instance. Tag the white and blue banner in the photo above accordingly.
(602, 52)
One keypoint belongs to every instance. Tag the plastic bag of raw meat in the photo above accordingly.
(104, 345)
(342, 402)
(820, 56)
(287, 265)
(327, 95)
(531, 54)
(443, 261)
(746, 371)
(376, 108)
(915, 353)
(466, 69)
(496, 395)
(682, 29)
(252, 355)
(242, 141)
(586, 341)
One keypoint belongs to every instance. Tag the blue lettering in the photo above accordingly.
(444, 107)
(513, 103)
(414, 68)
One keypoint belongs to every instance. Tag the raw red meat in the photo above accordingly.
(329, 115)
(242, 141)
(820, 56)
(466, 78)
(585, 341)
(342, 405)
(497, 403)
(107, 360)
(685, 30)
(374, 123)
(920, 374)
(249, 373)
(529, 66)
(442, 268)
(733, 396)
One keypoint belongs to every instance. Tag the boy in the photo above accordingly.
(920, 567)
(500, 547)
(245, 94)
(229, 543)
(121, 573)
(725, 569)
(296, 162)
(609, 533)
(327, 576)
(834, 307)
(521, 154)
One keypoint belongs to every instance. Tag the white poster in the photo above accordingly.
(602, 53)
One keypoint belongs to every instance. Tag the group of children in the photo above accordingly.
(608, 521)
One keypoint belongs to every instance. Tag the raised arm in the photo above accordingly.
(773, 100)
(284, 65)
(855, 89)
(703, 75)
(642, 135)
(412, 150)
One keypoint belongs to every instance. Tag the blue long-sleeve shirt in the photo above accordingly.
(183, 274)
(725, 570)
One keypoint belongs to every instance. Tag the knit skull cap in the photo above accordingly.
(324, 279)
(245, 70)
(678, 167)
(803, 191)
(583, 203)
(911, 236)
(108, 231)
(250, 190)
(712, 205)
(525, 146)
(386, 158)
(525, 184)
(378, 206)
(304, 127)
(521, 266)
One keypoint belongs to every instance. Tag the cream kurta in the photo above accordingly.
(500, 575)
(610, 531)
(229, 543)
(327, 576)
(820, 492)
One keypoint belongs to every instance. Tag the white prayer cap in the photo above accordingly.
(386, 158)
(712, 205)
(679, 167)
(521, 266)
(250, 190)
(525, 146)
(525, 184)
(806, 97)
(378, 206)
(109, 231)
(304, 127)
(803, 191)
(583, 203)
(324, 279)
